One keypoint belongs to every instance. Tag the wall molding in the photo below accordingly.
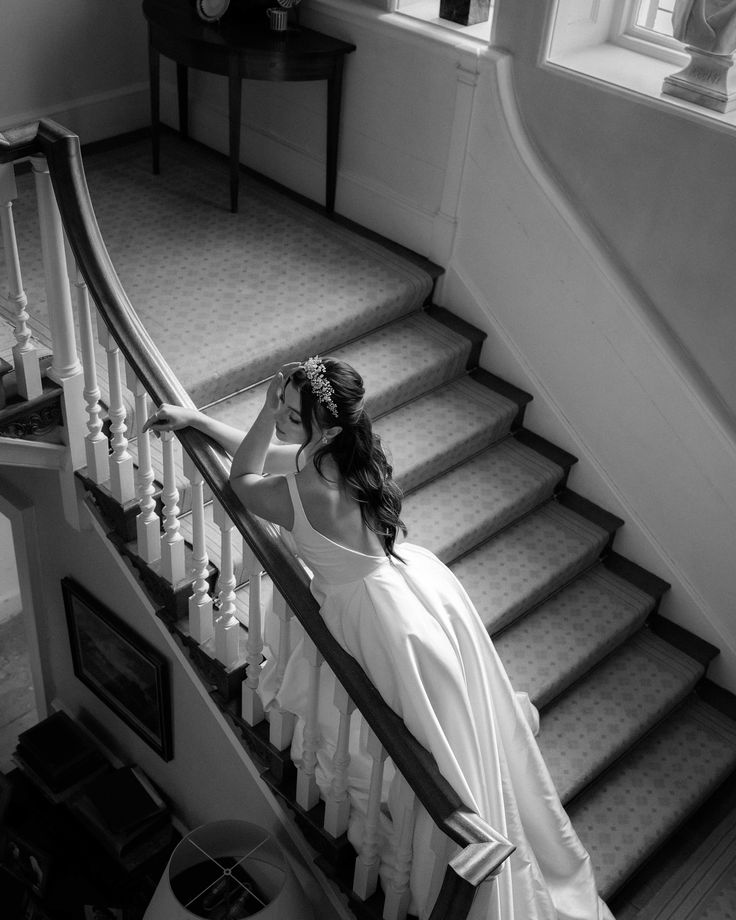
(96, 117)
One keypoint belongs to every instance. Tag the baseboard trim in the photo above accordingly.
(95, 117)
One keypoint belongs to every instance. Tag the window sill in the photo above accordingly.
(427, 11)
(625, 71)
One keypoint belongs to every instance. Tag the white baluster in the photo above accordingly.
(201, 613)
(122, 484)
(173, 565)
(281, 722)
(97, 447)
(337, 809)
(252, 707)
(398, 894)
(147, 523)
(307, 790)
(25, 356)
(227, 626)
(365, 878)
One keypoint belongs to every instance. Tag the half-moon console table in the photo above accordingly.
(242, 50)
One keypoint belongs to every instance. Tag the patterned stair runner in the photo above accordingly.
(645, 796)
(631, 748)
(589, 727)
(563, 638)
(567, 628)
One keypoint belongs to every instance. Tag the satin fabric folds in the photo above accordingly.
(415, 632)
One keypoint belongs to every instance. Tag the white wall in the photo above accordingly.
(81, 62)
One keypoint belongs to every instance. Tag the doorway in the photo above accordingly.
(18, 704)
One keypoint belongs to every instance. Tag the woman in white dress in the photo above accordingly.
(409, 623)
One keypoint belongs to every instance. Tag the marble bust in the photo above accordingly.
(709, 25)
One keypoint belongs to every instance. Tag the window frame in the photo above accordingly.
(627, 34)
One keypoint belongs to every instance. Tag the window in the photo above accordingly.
(626, 46)
(655, 15)
(646, 27)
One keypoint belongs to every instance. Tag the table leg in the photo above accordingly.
(182, 89)
(234, 100)
(334, 97)
(153, 77)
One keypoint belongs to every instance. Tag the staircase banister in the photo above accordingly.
(483, 849)
(23, 141)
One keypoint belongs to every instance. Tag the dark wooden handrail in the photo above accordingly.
(483, 850)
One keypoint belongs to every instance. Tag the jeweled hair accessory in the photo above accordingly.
(319, 384)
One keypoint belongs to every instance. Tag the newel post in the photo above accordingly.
(65, 369)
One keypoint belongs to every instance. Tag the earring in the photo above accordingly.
(325, 439)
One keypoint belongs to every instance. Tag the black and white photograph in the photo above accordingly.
(368, 379)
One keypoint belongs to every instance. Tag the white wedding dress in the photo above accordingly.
(413, 629)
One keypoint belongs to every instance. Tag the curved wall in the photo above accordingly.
(569, 320)
(657, 186)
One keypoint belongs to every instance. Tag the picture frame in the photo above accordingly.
(120, 667)
(24, 861)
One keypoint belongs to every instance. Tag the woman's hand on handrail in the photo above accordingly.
(171, 418)
(174, 418)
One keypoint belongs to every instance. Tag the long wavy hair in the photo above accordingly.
(356, 450)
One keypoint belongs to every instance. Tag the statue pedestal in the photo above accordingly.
(708, 80)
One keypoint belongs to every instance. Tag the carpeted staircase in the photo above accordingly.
(633, 745)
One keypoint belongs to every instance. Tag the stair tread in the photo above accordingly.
(553, 645)
(587, 728)
(397, 362)
(443, 428)
(704, 887)
(648, 793)
(459, 509)
(527, 561)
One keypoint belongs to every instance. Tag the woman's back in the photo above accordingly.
(333, 512)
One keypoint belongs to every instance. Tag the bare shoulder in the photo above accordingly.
(334, 513)
(266, 496)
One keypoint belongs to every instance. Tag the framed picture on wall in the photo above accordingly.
(119, 666)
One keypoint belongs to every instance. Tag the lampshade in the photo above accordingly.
(227, 870)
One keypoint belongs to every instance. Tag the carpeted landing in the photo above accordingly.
(226, 297)
(632, 747)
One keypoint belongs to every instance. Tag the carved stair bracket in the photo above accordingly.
(122, 518)
(39, 419)
(708, 80)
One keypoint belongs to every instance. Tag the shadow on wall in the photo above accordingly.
(9, 590)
